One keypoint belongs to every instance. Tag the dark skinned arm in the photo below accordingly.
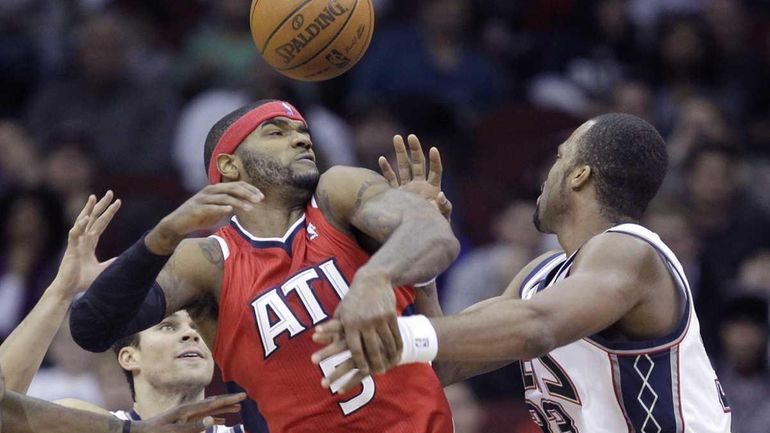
(416, 245)
(609, 279)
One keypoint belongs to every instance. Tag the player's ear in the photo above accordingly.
(228, 168)
(129, 358)
(580, 176)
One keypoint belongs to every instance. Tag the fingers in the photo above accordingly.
(444, 206)
(399, 344)
(390, 351)
(101, 223)
(78, 228)
(343, 385)
(227, 403)
(100, 207)
(241, 190)
(436, 168)
(332, 380)
(417, 157)
(330, 350)
(387, 172)
(353, 340)
(229, 200)
(86, 211)
(402, 160)
(192, 427)
(373, 350)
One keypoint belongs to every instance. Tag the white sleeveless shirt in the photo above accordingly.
(664, 385)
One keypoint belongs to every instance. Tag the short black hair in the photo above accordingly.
(133, 341)
(629, 160)
(219, 128)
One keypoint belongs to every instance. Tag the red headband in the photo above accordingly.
(241, 128)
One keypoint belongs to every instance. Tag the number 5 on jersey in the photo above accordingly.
(367, 392)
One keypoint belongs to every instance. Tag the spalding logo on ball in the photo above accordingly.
(312, 40)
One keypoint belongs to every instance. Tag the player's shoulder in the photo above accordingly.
(617, 252)
(341, 188)
(523, 275)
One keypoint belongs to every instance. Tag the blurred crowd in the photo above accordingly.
(120, 94)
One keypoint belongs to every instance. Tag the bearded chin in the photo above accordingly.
(306, 181)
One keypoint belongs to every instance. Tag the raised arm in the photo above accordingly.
(416, 245)
(23, 351)
(126, 298)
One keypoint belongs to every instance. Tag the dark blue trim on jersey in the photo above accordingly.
(286, 246)
(647, 392)
(253, 421)
(535, 270)
(134, 416)
(410, 310)
(671, 336)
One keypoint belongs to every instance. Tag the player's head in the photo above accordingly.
(266, 144)
(617, 161)
(170, 356)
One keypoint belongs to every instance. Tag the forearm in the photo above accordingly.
(115, 299)
(23, 351)
(419, 248)
(426, 300)
(506, 330)
(450, 372)
(22, 414)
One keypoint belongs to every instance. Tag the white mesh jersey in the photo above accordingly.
(665, 385)
(133, 416)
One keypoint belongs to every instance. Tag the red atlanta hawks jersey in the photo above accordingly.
(274, 291)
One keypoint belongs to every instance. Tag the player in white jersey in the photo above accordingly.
(606, 331)
(166, 365)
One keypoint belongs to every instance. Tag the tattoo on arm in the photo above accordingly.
(212, 252)
(362, 191)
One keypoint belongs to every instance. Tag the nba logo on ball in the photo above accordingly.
(312, 40)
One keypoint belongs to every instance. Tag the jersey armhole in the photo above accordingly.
(222, 245)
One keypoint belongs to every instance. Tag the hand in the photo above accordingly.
(79, 267)
(208, 208)
(368, 314)
(191, 417)
(332, 334)
(411, 173)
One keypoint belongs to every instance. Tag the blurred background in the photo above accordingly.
(120, 94)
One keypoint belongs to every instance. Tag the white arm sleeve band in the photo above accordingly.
(419, 338)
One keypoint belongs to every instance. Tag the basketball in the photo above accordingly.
(312, 40)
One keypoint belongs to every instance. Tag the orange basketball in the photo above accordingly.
(312, 40)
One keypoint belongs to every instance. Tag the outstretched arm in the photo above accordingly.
(23, 351)
(126, 298)
(22, 414)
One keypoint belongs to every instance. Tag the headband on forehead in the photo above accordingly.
(241, 128)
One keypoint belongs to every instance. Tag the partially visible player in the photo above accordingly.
(300, 248)
(166, 365)
(22, 414)
(605, 329)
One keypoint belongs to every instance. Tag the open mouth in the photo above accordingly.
(190, 354)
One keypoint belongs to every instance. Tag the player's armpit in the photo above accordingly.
(192, 274)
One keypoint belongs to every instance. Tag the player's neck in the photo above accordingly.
(152, 401)
(579, 226)
(272, 217)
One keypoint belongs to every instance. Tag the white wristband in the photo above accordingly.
(419, 338)
(427, 283)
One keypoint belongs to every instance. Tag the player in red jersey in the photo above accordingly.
(300, 248)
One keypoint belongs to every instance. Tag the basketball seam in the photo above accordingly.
(275, 30)
(321, 50)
